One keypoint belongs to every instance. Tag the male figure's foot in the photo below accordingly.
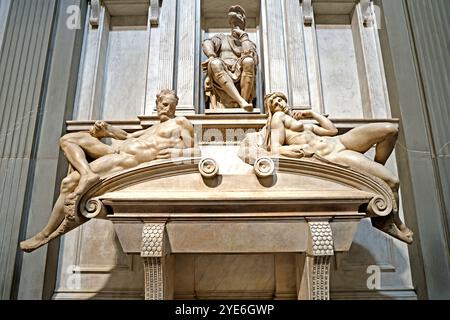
(34, 242)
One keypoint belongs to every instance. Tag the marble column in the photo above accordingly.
(296, 54)
(4, 12)
(187, 57)
(275, 65)
(312, 57)
(161, 55)
(23, 56)
(38, 269)
(417, 71)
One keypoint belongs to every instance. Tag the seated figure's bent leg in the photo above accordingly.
(361, 139)
(220, 76)
(247, 78)
(57, 216)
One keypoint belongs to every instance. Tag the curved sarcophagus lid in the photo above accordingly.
(185, 188)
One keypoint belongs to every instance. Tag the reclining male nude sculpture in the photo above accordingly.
(171, 138)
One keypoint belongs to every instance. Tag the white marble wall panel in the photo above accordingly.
(339, 72)
(126, 73)
(234, 275)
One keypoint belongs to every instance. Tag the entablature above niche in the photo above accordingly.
(128, 7)
(213, 13)
(332, 11)
(127, 12)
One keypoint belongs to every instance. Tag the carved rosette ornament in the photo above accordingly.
(264, 167)
(153, 251)
(321, 253)
(208, 168)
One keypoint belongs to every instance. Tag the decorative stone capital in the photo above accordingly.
(367, 13)
(95, 12)
(308, 13)
(320, 255)
(322, 238)
(153, 14)
(154, 243)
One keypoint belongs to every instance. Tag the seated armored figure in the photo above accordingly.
(231, 65)
(172, 137)
(288, 136)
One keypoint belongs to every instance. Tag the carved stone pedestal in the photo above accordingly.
(298, 208)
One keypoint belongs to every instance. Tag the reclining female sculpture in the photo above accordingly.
(286, 135)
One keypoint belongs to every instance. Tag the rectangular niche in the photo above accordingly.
(113, 70)
(337, 59)
(125, 68)
(214, 20)
(339, 71)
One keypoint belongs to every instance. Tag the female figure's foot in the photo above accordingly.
(405, 235)
(400, 232)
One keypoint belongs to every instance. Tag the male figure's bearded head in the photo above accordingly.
(166, 104)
